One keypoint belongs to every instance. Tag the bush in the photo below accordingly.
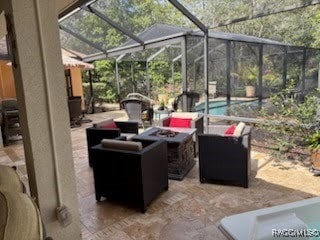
(102, 94)
(292, 120)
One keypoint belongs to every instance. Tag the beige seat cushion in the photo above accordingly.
(239, 129)
(9, 180)
(121, 145)
(104, 123)
(128, 136)
(191, 115)
(19, 218)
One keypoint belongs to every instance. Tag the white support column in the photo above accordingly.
(42, 99)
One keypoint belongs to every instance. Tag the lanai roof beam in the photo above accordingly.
(301, 4)
(156, 54)
(112, 23)
(189, 15)
(81, 38)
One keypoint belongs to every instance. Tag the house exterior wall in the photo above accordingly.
(7, 87)
(76, 78)
(8, 90)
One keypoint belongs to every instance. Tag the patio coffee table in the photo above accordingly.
(180, 148)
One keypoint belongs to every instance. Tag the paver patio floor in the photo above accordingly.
(189, 210)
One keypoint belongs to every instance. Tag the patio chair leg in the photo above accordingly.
(98, 198)
(202, 180)
(143, 208)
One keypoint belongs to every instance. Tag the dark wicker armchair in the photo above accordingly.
(75, 110)
(96, 133)
(10, 119)
(191, 97)
(224, 158)
(134, 177)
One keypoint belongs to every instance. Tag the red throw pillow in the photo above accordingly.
(180, 122)
(230, 130)
(110, 125)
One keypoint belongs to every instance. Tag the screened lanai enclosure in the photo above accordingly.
(228, 71)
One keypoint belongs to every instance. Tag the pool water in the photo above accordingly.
(220, 107)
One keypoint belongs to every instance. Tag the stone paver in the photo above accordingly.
(188, 210)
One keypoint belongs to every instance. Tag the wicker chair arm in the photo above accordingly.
(95, 135)
(157, 147)
(164, 122)
(121, 138)
(198, 124)
(128, 127)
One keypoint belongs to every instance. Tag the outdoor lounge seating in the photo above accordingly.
(127, 172)
(135, 109)
(196, 122)
(20, 216)
(108, 129)
(191, 97)
(75, 111)
(225, 158)
(11, 122)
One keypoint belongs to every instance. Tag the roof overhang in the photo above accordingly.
(65, 7)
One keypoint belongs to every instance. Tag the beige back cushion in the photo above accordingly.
(9, 180)
(239, 129)
(191, 115)
(105, 122)
(19, 218)
(121, 145)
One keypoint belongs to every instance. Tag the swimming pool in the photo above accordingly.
(219, 107)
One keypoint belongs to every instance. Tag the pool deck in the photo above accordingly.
(188, 210)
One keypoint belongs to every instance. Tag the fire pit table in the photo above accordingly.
(180, 148)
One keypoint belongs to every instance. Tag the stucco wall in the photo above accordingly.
(7, 87)
(76, 78)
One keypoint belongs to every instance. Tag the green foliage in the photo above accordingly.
(102, 94)
(271, 79)
(298, 27)
(315, 30)
(105, 70)
(159, 73)
(249, 75)
(291, 120)
(314, 141)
